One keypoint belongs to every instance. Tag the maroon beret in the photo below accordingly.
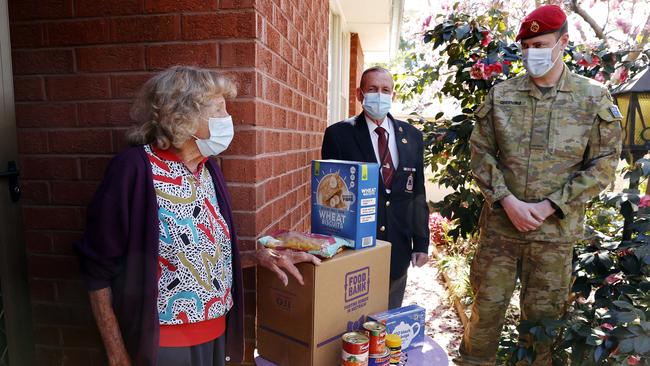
(543, 20)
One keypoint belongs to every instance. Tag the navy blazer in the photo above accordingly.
(403, 215)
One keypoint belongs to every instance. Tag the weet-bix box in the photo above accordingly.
(344, 200)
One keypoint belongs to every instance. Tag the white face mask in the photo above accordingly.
(539, 61)
(377, 105)
(221, 134)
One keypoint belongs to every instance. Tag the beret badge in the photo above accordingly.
(534, 27)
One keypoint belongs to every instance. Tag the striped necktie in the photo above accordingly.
(387, 168)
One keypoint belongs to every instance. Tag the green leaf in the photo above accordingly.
(630, 264)
(645, 167)
(625, 317)
(622, 333)
(598, 332)
(641, 314)
(642, 344)
(459, 118)
(626, 346)
(454, 51)
(594, 340)
(636, 330)
(462, 31)
(628, 208)
(605, 260)
(646, 327)
(599, 353)
(623, 304)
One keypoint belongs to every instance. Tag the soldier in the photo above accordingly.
(544, 144)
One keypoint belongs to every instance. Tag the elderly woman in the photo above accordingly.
(159, 254)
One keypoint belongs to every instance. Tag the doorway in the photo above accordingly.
(16, 339)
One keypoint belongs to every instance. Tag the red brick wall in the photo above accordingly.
(356, 69)
(284, 131)
(77, 65)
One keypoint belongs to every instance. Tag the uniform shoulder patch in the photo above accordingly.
(616, 113)
(483, 110)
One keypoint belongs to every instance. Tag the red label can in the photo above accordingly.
(377, 334)
(380, 360)
(355, 349)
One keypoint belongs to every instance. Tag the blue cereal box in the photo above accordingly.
(407, 322)
(344, 200)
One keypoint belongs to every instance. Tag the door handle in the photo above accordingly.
(12, 173)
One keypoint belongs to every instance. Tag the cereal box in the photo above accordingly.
(407, 322)
(344, 200)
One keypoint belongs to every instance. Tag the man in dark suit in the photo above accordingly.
(375, 136)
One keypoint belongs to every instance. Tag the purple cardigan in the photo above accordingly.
(119, 249)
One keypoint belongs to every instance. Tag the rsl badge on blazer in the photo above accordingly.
(410, 179)
(409, 183)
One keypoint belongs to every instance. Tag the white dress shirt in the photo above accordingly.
(392, 143)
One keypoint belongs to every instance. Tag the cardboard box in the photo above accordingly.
(344, 200)
(302, 325)
(407, 322)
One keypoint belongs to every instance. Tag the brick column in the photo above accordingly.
(77, 66)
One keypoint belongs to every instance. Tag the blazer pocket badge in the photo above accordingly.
(409, 184)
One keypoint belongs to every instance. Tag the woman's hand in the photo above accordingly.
(119, 359)
(283, 262)
(419, 259)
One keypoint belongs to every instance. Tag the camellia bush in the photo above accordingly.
(607, 321)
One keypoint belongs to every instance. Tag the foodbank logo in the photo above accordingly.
(357, 284)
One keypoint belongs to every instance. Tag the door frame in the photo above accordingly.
(13, 262)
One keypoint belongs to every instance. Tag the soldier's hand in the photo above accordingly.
(543, 210)
(521, 214)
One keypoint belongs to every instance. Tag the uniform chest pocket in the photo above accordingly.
(569, 134)
(511, 127)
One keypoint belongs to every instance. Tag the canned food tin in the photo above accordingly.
(377, 335)
(380, 360)
(355, 349)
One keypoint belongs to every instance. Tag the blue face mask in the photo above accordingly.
(377, 105)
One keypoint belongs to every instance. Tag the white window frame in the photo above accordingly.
(338, 75)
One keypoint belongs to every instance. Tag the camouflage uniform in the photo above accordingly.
(562, 146)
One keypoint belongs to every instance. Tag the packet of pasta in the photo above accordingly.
(319, 245)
